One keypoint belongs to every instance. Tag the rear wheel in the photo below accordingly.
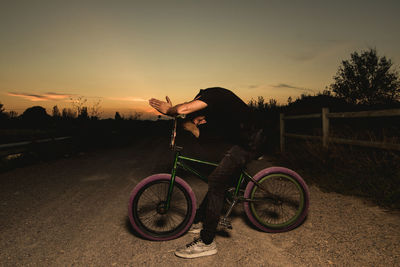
(282, 202)
(147, 208)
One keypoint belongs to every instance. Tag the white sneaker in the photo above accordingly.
(196, 249)
(196, 228)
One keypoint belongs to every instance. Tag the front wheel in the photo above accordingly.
(147, 208)
(280, 204)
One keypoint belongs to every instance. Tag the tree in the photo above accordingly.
(83, 115)
(56, 112)
(95, 110)
(367, 79)
(135, 116)
(258, 105)
(68, 113)
(3, 114)
(272, 103)
(117, 116)
(12, 114)
(79, 104)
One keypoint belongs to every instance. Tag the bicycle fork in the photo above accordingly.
(172, 182)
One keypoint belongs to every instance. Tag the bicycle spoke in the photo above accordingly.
(282, 202)
(152, 196)
(173, 221)
(146, 208)
(180, 211)
(148, 218)
(150, 208)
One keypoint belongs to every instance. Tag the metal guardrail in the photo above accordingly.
(10, 145)
(15, 148)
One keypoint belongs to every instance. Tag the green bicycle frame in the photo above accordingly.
(179, 162)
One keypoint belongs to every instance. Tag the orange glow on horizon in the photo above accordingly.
(131, 51)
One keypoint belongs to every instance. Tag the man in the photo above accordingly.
(227, 116)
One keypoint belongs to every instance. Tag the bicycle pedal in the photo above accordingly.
(226, 223)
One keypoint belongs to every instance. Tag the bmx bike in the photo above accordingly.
(163, 206)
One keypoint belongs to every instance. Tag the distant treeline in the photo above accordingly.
(366, 81)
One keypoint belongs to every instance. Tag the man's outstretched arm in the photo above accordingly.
(167, 108)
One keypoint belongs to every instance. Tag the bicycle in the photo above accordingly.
(163, 206)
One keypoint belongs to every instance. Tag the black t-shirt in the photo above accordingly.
(226, 114)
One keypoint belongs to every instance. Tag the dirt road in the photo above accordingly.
(73, 212)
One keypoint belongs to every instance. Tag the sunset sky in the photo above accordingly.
(124, 52)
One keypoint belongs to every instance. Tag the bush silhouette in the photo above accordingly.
(35, 117)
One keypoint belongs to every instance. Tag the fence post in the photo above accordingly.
(282, 131)
(325, 127)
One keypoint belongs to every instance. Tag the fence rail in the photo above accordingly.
(325, 116)
(17, 147)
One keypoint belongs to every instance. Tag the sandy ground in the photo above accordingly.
(73, 212)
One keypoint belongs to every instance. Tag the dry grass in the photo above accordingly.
(370, 173)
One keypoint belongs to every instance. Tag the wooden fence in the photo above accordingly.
(326, 139)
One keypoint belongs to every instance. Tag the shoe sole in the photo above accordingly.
(197, 255)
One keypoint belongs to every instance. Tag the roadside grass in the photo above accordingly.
(86, 137)
(19, 135)
(369, 173)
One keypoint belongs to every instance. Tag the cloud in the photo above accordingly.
(305, 56)
(305, 52)
(284, 85)
(41, 97)
(57, 96)
(318, 50)
(129, 98)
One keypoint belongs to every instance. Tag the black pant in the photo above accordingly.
(219, 180)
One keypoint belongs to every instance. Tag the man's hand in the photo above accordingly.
(161, 106)
(191, 127)
(167, 108)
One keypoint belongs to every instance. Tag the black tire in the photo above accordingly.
(146, 203)
(282, 210)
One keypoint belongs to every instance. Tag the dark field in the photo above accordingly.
(72, 210)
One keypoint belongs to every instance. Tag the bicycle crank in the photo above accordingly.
(226, 223)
